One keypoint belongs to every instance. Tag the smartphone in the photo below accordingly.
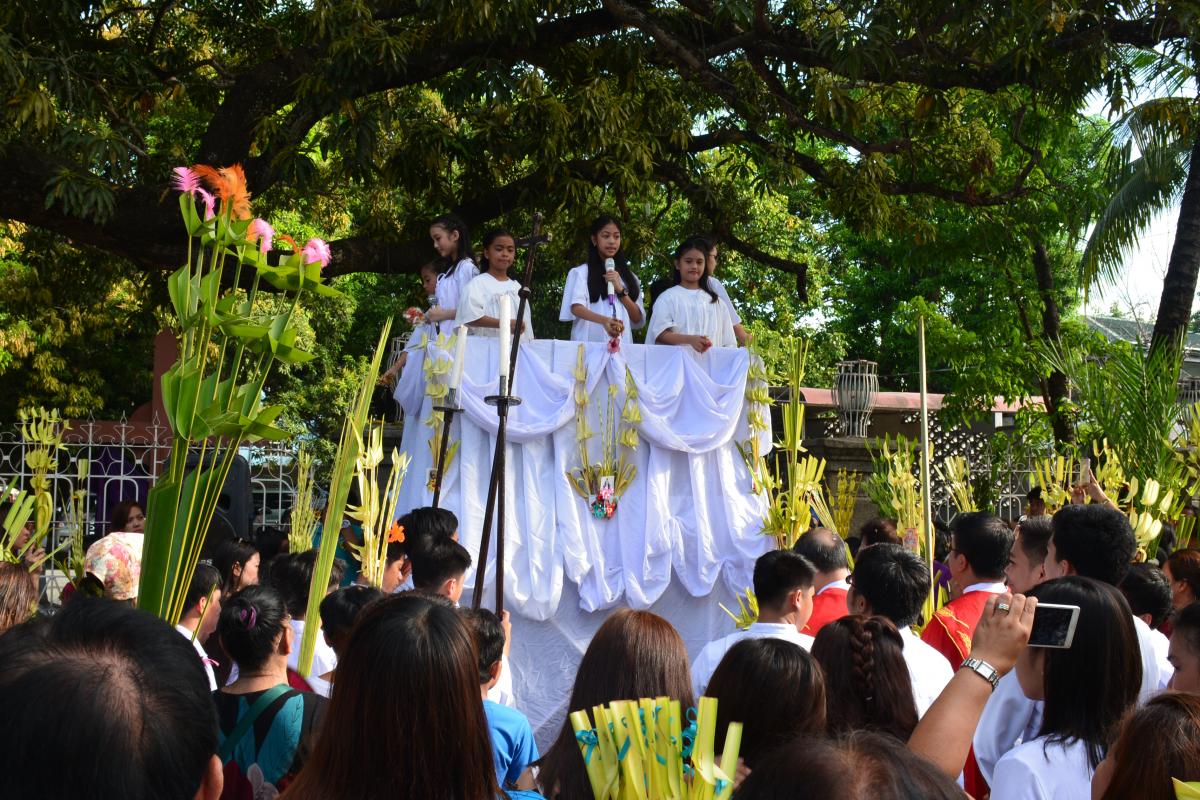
(1053, 626)
(1085, 470)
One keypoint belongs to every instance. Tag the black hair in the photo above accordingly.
(984, 540)
(454, 223)
(778, 573)
(597, 285)
(1090, 685)
(228, 553)
(941, 540)
(878, 531)
(425, 525)
(893, 580)
(340, 609)
(395, 551)
(694, 243)
(1148, 591)
(1035, 534)
(115, 688)
(292, 573)
(1186, 625)
(1096, 540)
(1034, 494)
(823, 548)
(489, 237)
(442, 560)
(204, 580)
(250, 626)
(489, 639)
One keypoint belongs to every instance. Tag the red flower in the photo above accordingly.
(614, 345)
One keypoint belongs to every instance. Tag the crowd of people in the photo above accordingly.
(410, 695)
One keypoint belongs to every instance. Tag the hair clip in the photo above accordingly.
(252, 614)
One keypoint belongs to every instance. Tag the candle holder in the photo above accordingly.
(448, 409)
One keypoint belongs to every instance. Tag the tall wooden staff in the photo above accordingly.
(496, 497)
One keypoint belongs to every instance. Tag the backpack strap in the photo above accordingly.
(246, 722)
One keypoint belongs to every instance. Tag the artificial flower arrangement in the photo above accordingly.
(642, 750)
(437, 389)
(603, 483)
(414, 316)
(213, 394)
(379, 503)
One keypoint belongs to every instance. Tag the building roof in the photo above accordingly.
(1135, 332)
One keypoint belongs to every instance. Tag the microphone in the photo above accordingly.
(609, 265)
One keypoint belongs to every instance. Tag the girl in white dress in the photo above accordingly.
(690, 314)
(479, 306)
(456, 267)
(1087, 688)
(741, 334)
(585, 302)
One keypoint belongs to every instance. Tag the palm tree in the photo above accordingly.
(1153, 163)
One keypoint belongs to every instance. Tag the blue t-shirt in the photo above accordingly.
(512, 741)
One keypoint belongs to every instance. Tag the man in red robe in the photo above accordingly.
(827, 552)
(979, 549)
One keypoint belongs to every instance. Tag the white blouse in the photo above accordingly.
(692, 312)
(482, 299)
(723, 296)
(584, 331)
(1040, 770)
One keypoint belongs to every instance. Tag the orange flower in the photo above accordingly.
(283, 237)
(396, 533)
(230, 185)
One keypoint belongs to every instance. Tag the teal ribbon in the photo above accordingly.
(624, 749)
(720, 786)
(592, 741)
(689, 734)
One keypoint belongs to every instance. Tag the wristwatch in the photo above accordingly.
(623, 293)
(983, 669)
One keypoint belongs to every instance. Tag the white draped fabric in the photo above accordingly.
(688, 513)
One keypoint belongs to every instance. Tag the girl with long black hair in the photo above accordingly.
(594, 314)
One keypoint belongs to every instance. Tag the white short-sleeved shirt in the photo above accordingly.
(482, 299)
(576, 291)
(1043, 770)
(324, 660)
(450, 286)
(723, 296)
(204, 659)
(928, 670)
(706, 663)
(691, 312)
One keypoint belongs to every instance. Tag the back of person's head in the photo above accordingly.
(1095, 540)
(251, 623)
(104, 701)
(778, 573)
(772, 686)
(406, 717)
(230, 558)
(205, 582)
(425, 525)
(1158, 742)
(824, 549)
(1185, 628)
(341, 609)
(1184, 565)
(489, 640)
(1149, 593)
(634, 654)
(1035, 533)
(867, 684)
(984, 541)
(894, 582)
(1089, 686)
(443, 560)
(292, 573)
(18, 595)
(859, 766)
(878, 531)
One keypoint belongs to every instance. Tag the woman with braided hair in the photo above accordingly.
(867, 685)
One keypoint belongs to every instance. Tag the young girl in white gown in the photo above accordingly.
(690, 314)
(479, 306)
(455, 265)
(586, 302)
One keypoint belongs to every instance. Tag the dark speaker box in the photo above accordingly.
(235, 505)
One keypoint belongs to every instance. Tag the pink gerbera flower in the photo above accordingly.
(261, 231)
(186, 180)
(316, 250)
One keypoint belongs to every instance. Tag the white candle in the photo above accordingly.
(460, 358)
(505, 333)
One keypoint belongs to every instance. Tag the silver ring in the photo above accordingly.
(1005, 607)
